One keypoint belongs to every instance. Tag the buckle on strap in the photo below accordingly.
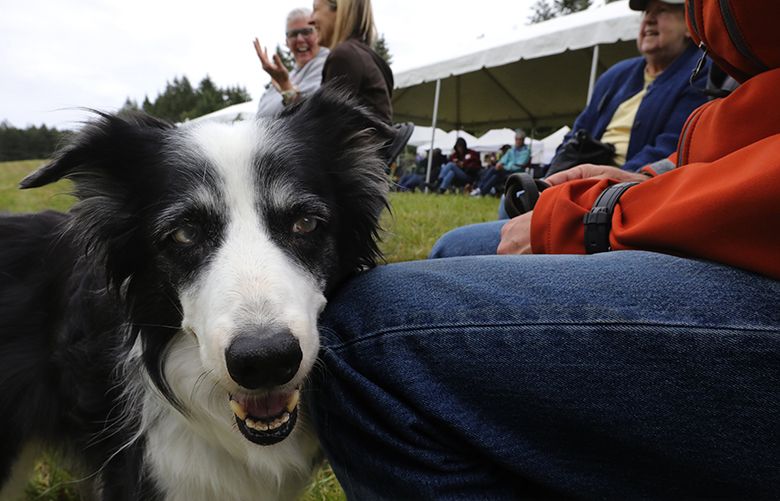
(598, 221)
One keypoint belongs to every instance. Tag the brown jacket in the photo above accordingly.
(360, 70)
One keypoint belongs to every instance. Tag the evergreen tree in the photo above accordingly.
(129, 107)
(541, 11)
(381, 48)
(565, 7)
(286, 56)
(28, 144)
(209, 99)
(180, 101)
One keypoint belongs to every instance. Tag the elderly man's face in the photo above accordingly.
(519, 140)
(662, 32)
(302, 40)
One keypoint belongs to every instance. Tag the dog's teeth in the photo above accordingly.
(256, 425)
(293, 403)
(276, 423)
(238, 410)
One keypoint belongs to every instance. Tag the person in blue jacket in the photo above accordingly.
(641, 104)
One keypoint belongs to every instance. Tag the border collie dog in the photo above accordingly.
(160, 333)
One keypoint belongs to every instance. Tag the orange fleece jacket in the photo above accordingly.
(723, 204)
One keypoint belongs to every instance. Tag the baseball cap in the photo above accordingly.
(642, 4)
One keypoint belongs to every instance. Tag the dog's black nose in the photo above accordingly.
(263, 358)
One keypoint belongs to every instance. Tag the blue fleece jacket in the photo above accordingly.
(661, 115)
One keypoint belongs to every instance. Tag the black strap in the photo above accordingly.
(521, 193)
(598, 221)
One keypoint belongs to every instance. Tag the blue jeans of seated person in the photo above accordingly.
(492, 178)
(410, 182)
(479, 239)
(449, 173)
(620, 375)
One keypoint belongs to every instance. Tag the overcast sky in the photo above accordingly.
(57, 55)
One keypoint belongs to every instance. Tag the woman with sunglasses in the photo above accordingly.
(305, 78)
(347, 27)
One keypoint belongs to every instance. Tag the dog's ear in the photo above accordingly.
(106, 147)
(114, 163)
(351, 148)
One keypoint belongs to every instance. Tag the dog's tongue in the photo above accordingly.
(266, 405)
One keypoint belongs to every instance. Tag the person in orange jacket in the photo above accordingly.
(649, 368)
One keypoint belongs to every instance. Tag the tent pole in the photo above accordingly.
(593, 67)
(433, 134)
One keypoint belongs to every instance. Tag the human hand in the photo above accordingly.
(273, 65)
(499, 166)
(586, 171)
(516, 235)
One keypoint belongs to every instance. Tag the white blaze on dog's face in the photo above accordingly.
(256, 295)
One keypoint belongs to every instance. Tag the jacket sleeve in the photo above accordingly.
(725, 211)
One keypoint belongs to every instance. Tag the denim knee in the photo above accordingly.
(473, 240)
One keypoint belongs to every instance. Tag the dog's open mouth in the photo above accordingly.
(266, 419)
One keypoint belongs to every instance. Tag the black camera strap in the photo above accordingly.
(598, 221)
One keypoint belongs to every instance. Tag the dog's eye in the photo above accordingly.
(304, 225)
(186, 235)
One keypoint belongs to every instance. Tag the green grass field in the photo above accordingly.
(414, 224)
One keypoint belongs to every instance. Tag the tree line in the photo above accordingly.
(178, 102)
(543, 10)
(30, 143)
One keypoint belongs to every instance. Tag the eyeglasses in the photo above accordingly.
(306, 32)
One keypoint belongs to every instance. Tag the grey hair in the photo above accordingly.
(299, 12)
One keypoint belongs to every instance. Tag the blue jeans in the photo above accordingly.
(410, 182)
(492, 178)
(479, 239)
(449, 173)
(620, 375)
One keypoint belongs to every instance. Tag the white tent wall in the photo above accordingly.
(540, 80)
(232, 113)
(542, 150)
(446, 141)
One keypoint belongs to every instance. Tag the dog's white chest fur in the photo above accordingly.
(189, 466)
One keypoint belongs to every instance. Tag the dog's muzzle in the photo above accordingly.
(261, 360)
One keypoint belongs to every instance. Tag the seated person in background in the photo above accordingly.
(640, 105)
(515, 159)
(412, 180)
(309, 58)
(464, 167)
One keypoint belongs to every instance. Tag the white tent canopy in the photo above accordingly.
(446, 141)
(542, 150)
(494, 139)
(422, 135)
(241, 111)
(551, 143)
(541, 79)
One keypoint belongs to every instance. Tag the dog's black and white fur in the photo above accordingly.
(161, 331)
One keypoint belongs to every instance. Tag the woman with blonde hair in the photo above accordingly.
(347, 28)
